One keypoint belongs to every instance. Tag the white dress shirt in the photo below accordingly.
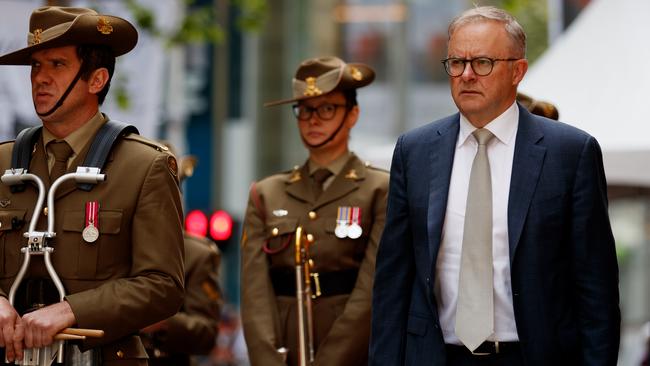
(500, 152)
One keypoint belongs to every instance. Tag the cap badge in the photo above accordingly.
(356, 74)
(37, 36)
(312, 90)
(104, 26)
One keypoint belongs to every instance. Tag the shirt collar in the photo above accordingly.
(503, 127)
(335, 167)
(80, 137)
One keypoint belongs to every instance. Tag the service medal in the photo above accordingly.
(342, 221)
(354, 230)
(90, 233)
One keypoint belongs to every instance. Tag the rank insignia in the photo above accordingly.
(4, 203)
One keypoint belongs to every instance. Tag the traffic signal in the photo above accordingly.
(220, 226)
(196, 223)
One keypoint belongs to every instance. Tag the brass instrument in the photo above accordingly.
(304, 297)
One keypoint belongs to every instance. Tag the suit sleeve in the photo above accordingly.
(350, 332)
(260, 318)
(193, 330)
(595, 266)
(153, 289)
(394, 272)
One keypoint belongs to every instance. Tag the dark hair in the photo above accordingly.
(95, 57)
(350, 97)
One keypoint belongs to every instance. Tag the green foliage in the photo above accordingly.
(200, 24)
(533, 16)
(252, 14)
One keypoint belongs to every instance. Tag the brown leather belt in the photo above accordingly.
(486, 348)
(329, 283)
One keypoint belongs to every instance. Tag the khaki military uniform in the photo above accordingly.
(341, 321)
(132, 276)
(193, 330)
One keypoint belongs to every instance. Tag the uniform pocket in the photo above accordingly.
(78, 259)
(12, 226)
(279, 233)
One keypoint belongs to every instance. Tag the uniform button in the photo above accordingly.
(45, 211)
(119, 354)
(0, 224)
(275, 231)
(313, 215)
(310, 238)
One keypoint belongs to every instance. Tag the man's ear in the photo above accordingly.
(97, 80)
(520, 68)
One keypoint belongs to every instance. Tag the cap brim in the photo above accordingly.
(345, 83)
(121, 40)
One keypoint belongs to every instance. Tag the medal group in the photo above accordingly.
(348, 222)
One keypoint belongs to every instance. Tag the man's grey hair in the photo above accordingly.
(483, 13)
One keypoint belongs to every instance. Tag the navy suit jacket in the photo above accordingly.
(562, 257)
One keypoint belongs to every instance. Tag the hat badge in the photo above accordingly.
(104, 26)
(37, 36)
(356, 74)
(312, 90)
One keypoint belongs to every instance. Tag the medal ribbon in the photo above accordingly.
(342, 216)
(356, 215)
(92, 214)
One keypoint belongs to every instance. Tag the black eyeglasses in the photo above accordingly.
(325, 112)
(482, 66)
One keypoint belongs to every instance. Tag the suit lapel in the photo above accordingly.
(441, 157)
(441, 149)
(526, 167)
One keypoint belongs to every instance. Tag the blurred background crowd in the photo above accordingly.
(203, 68)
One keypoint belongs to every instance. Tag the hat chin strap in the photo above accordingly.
(332, 136)
(59, 103)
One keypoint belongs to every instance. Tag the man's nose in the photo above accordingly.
(468, 72)
(41, 76)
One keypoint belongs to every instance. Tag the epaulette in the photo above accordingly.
(7, 142)
(368, 165)
(143, 140)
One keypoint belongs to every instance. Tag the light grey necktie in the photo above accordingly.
(475, 308)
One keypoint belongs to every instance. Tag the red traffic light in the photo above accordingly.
(196, 223)
(220, 225)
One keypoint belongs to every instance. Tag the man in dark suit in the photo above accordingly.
(495, 184)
